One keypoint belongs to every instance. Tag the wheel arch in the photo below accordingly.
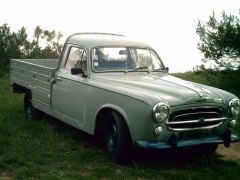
(19, 89)
(106, 109)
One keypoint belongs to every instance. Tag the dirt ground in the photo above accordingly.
(232, 153)
(4, 176)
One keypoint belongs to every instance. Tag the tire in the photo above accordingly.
(29, 110)
(117, 139)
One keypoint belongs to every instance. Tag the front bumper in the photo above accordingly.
(226, 138)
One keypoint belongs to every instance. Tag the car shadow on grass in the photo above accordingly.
(146, 159)
(75, 134)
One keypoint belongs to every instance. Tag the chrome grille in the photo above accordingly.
(195, 118)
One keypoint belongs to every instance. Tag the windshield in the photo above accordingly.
(125, 59)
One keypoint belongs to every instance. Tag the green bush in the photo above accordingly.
(226, 80)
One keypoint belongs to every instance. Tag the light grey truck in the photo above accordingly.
(120, 90)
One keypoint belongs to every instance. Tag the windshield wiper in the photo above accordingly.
(160, 69)
(141, 67)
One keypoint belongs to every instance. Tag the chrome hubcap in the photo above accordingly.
(111, 141)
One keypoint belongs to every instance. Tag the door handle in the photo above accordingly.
(59, 79)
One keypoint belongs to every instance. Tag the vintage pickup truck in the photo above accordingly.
(119, 89)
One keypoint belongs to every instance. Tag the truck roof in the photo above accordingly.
(91, 40)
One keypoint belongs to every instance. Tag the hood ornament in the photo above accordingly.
(210, 99)
(206, 95)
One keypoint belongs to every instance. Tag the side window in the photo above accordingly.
(76, 58)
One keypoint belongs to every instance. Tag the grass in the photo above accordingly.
(49, 149)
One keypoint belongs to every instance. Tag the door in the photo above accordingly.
(68, 90)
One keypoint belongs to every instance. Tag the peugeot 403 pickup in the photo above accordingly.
(119, 89)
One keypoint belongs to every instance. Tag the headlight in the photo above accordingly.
(235, 106)
(160, 112)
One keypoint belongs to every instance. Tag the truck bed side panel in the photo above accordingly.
(35, 75)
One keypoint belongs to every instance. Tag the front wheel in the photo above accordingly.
(117, 139)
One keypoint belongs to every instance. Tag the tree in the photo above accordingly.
(220, 41)
(10, 45)
(44, 44)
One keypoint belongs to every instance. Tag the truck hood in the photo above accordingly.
(159, 87)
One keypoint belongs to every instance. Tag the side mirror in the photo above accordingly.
(75, 71)
(167, 69)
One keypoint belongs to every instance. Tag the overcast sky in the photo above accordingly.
(169, 26)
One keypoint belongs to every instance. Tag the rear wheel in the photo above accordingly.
(117, 139)
(29, 110)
